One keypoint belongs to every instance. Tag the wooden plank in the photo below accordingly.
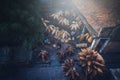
(81, 45)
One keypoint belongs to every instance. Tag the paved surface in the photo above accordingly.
(37, 70)
(40, 71)
(116, 73)
(37, 73)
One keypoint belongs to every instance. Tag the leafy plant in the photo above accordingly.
(69, 50)
(61, 55)
(92, 61)
(69, 69)
(43, 55)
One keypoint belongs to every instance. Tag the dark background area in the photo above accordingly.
(19, 21)
(21, 27)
